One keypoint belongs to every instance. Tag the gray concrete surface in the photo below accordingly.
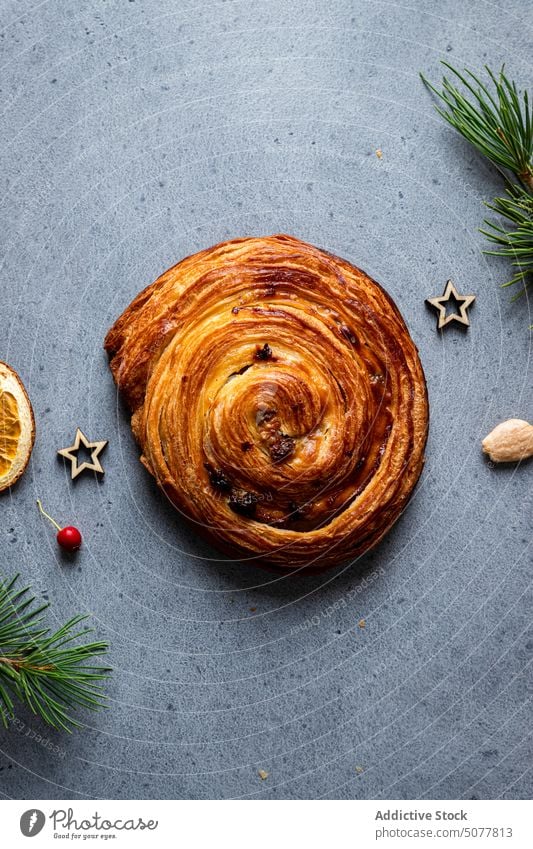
(135, 133)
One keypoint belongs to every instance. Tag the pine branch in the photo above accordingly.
(46, 671)
(517, 243)
(500, 126)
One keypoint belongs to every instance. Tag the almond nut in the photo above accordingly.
(509, 442)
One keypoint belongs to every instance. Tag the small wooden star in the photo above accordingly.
(463, 301)
(71, 454)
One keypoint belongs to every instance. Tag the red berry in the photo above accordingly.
(69, 538)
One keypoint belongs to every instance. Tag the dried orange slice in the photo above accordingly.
(17, 427)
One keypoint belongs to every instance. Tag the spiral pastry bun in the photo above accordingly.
(278, 399)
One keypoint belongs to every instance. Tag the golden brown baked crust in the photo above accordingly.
(278, 399)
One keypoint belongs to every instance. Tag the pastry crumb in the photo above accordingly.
(379, 153)
(253, 609)
(359, 770)
(362, 623)
(263, 774)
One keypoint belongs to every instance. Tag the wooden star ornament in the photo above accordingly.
(462, 301)
(71, 454)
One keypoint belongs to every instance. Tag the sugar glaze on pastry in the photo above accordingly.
(278, 400)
